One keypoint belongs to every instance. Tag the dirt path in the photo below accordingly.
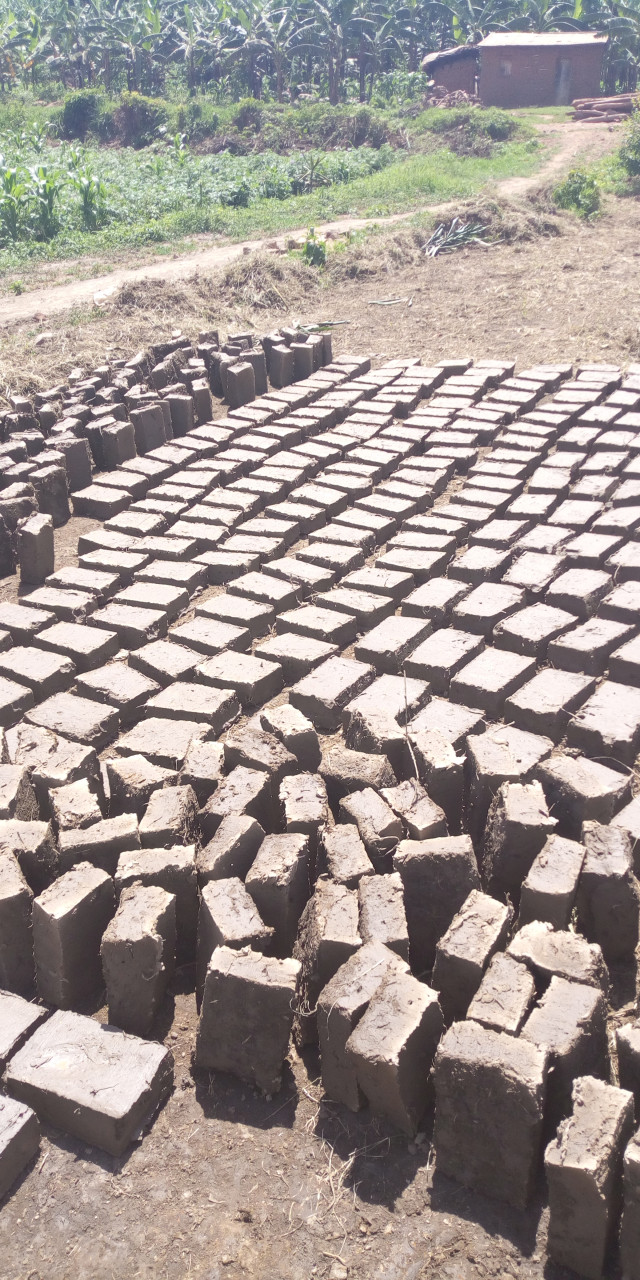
(568, 141)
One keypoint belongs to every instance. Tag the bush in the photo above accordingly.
(138, 119)
(579, 192)
(630, 149)
(81, 113)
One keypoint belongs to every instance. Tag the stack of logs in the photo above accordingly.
(606, 110)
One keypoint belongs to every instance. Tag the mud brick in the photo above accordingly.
(437, 877)
(33, 845)
(490, 1093)
(298, 735)
(163, 661)
(338, 628)
(583, 1166)
(120, 686)
(625, 563)
(380, 527)
(15, 700)
(479, 564)
(74, 805)
(579, 591)
(139, 523)
(623, 603)
(594, 488)
(100, 585)
(99, 502)
(253, 679)
(392, 1049)
(490, 678)
(132, 625)
(16, 945)
(138, 956)
(379, 827)
(251, 746)
(332, 555)
(70, 606)
(570, 1023)
(504, 997)
(580, 789)
(624, 663)
(549, 953)
(243, 791)
(18, 1019)
(340, 1007)
(187, 701)
(629, 819)
(239, 611)
(441, 772)
(608, 724)
(171, 600)
(231, 851)
(69, 919)
(297, 655)
(247, 1015)
(543, 538)
(422, 817)
(435, 599)
(417, 540)
(478, 930)
(203, 768)
(227, 917)
(233, 498)
(517, 827)
(530, 630)
(168, 547)
(327, 937)
(69, 762)
(422, 565)
(100, 843)
(486, 606)
(173, 870)
(548, 702)
(534, 572)
(454, 723)
(23, 623)
(345, 855)
(164, 741)
(19, 1140)
(499, 533)
(620, 521)
(608, 900)
(628, 1049)
(266, 589)
(305, 806)
(279, 883)
(170, 817)
(68, 1090)
(382, 914)
(303, 576)
(386, 647)
(441, 655)
(121, 563)
(80, 719)
(587, 648)
(323, 693)
(502, 754)
(550, 888)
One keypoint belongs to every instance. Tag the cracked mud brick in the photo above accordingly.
(340, 1007)
(203, 768)
(580, 789)
(138, 957)
(570, 1023)
(33, 845)
(279, 882)
(132, 781)
(382, 913)
(323, 693)
(559, 953)
(243, 791)
(305, 807)
(583, 1166)
(608, 900)
(69, 919)
(423, 819)
(19, 1140)
(101, 843)
(346, 858)
(228, 917)
(490, 1092)
(490, 678)
(517, 827)
(231, 851)
(18, 1018)
(546, 704)
(378, 826)
(74, 805)
(101, 1087)
(253, 748)
(629, 819)
(170, 818)
(441, 655)
(164, 741)
(387, 645)
(16, 944)
(478, 930)
(297, 734)
(608, 724)
(393, 1047)
(173, 870)
(437, 877)
(247, 1015)
(327, 936)
(505, 995)
(80, 719)
(550, 888)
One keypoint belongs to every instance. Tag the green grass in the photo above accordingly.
(407, 183)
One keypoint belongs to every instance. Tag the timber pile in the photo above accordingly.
(606, 110)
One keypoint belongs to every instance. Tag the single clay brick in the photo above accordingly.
(570, 1023)
(227, 917)
(69, 920)
(478, 930)
(608, 892)
(382, 914)
(327, 936)
(138, 956)
(231, 850)
(550, 888)
(16, 945)
(517, 827)
(552, 952)
(437, 877)
(505, 995)
(279, 883)
(378, 826)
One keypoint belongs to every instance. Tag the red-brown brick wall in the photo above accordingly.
(533, 81)
(459, 74)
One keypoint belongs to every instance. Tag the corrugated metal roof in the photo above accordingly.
(450, 55)
(531, 39)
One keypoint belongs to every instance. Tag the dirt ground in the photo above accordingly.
(228, 1185)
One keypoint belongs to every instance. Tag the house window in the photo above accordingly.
(505, 67)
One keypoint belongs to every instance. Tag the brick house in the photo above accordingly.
(522, 68)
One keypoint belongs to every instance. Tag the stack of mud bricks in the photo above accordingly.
(339, 713)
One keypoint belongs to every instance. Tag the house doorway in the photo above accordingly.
(563, 82)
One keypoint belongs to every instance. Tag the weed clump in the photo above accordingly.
(630, 149)
(579, 192)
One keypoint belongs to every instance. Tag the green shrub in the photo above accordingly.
(81, 113)
(630, 149)
(314, 250)
(580, 192)
(138, 119)
(248, 115)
